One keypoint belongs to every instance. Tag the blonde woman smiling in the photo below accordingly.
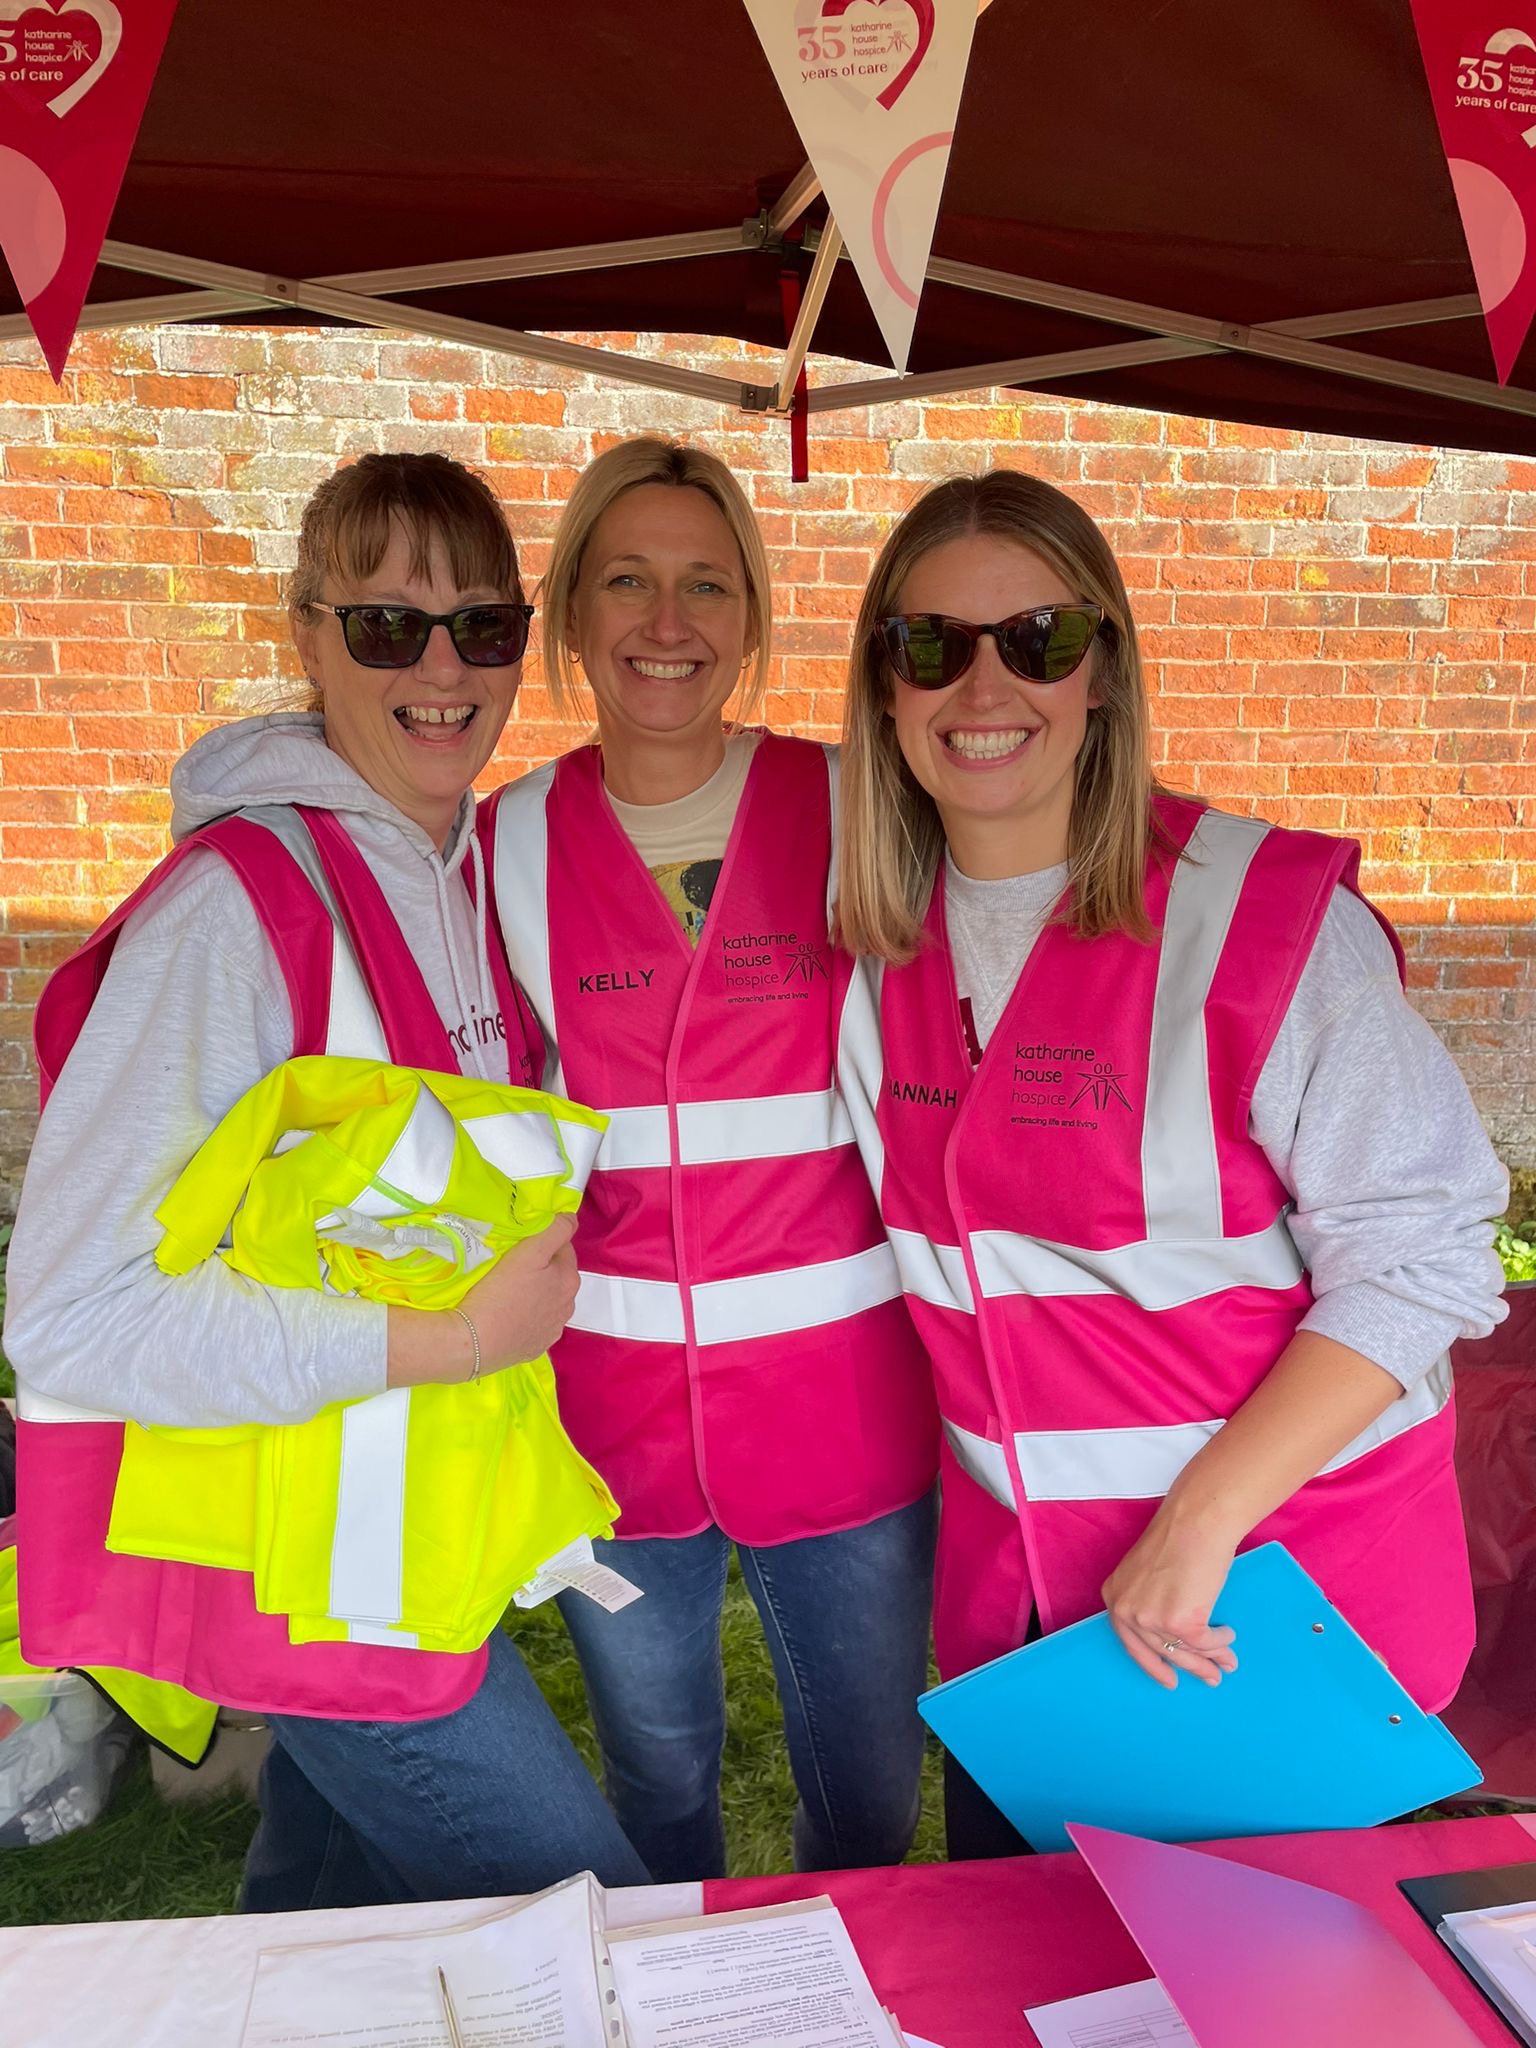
(1188, 1202)
(739, 1365)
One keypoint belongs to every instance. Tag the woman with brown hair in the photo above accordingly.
(739, 1364)
(326, 896)
(1188, 1202)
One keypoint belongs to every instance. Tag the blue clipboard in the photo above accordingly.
(1311, 1731)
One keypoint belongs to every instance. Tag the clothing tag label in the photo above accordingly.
(545, 1583)
(575, 1570)
(600, 1582)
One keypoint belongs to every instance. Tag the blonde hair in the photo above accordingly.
(346, 527)
(892, 838)
(648, 459)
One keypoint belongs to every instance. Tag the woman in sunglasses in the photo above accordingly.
(1188, 1202)
(327, 895)
(740, 1366)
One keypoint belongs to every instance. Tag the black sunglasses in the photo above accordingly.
(396, 635)
(930, 651)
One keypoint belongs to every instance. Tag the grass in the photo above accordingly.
(149, 1858)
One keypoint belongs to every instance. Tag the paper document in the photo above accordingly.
(534, 1976)
(1129, 2016)
(1498, 1945)
(775, 1977)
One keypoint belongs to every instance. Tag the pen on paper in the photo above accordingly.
(450, 2013)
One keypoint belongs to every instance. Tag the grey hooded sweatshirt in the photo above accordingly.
(191, 1013)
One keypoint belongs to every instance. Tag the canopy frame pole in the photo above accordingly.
(228, 289)
(823, 268)
(431, 277)
(803, 190)
(1087, 362)
(308, 295)
(1265, 340)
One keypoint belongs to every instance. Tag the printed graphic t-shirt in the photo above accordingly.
(683, 843)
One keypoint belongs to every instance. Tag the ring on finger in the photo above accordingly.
(1175, 1643)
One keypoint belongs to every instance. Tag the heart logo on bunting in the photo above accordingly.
(884, 40)
(54, 55)
(74, 77)
(1482, 81)
(874, 87)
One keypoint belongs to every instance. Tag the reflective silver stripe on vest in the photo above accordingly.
(649, 1311)
(353, 1029)
(861, 1065)
(367, 1551)
(522, 1145)
(833, 756)
(32, 1405)
(982, 1460)
(729, 1311)
(773, 1304)
(1141, 1464)
(1181, 1177)
(416, 1171)
(712, 1133)
(521, 861)
(582, 1144)
(1155, 1276)
(935, 1273)
(382, 1638)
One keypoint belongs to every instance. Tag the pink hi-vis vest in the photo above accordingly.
(1097, 1256)
(740, 1353)
(355, 990)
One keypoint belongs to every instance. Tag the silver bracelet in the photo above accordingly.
(474, 1338)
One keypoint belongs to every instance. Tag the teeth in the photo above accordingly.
(664, 671)
(986, 746)
(437, 714)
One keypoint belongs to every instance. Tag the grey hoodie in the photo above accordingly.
(191, 1013)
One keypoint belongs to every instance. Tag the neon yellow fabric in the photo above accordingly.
(179, 1721)
(389, 1183)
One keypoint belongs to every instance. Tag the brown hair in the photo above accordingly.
(346, 526)
(892, 838)
(648, 459)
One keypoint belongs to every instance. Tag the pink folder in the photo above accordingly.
(1257, 1961)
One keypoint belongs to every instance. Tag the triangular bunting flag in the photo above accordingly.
(874, 87)
(74, 78)
(1482, 79)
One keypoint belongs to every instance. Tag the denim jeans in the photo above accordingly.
(487, 1800)
(846, 1618)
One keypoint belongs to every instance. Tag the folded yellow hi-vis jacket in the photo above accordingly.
(410, 1517)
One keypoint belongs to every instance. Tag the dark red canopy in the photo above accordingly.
(1175, 176)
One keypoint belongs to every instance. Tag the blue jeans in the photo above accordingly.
(846, 1618)
(473, 1804)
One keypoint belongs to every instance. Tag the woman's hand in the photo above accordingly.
(525, 1301)
(518, 1311)
(1316, 1398)
(1160, 1598)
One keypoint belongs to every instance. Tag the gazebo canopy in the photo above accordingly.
(1191, 206)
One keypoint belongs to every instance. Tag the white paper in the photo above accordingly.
(1129, 2016)
(1500, 1944)
(780, 1977)
(187, 1983)
(527, 1978)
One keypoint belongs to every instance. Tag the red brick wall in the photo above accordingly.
(1338, 631)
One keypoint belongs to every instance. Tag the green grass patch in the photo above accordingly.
(149, 1858)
